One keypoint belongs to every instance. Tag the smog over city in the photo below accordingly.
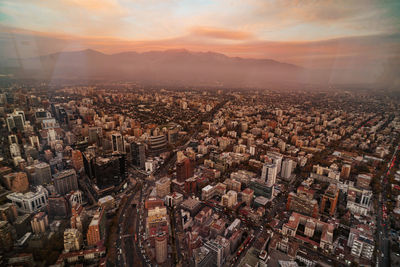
(199, 133)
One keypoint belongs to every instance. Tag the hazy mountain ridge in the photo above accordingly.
(170, 66)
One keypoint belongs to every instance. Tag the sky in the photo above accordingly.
(357, 34)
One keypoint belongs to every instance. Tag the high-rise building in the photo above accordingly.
(4, 170)
(203, 257)
(106, 203)
(65, 181)
(15, 150)
(173, 199)
(260, 188)
(310, 230)
(359, 200)
(58, 206)
(77, 217)
(276, 158)
(287, 167)
(41, 114)
(191, 185)
(12, 139)
(3, 99)
(173, 135)
(34, 141)
(217, 252)
(157, 144)
(89, 158)
(233, 184)
(97, 228)
(345, 173)
(268, 174)
(303, 202)
(163, 187)
(77, 160)
(8, 212)
(207, 192)
(229, 199)
(40, 223)
(42, 173)
(161, 248)
(16, 182)
(137, 132)
(72, 239)
(362, 242)
(109, 171)
(117, 142)
(329, 200)
(94, 135)
(138, 152)
(7, 235)
(156, 223)
(22, 225)
(16, 120)
(70, 138)
(363, 181)
(247, 196)
(184, 169)
(75, 197)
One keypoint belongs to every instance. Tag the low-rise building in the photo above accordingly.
(310, 230)
(73, 239)
(31, 201)
(361, 241)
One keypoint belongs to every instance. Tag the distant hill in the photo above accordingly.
(156, 67)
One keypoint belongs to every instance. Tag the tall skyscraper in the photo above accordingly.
(287, 167)
(268, 176)
(277, 159)
(268, 173)
(184, 169)
(138, 152)
(117, 142)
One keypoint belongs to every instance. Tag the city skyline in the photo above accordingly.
(200, 133)
(333, 37)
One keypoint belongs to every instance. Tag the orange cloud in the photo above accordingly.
(109, 6)
(219, 33)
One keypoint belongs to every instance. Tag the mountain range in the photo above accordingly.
(181, 67)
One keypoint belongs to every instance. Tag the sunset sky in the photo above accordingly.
(313, 34)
